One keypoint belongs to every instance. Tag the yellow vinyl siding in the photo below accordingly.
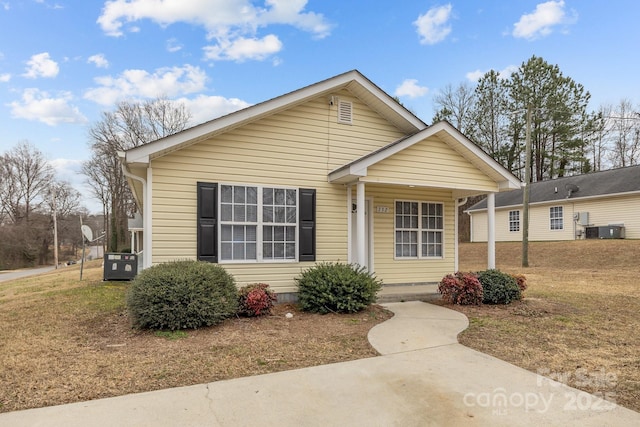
(432, 163)
(297, 147)
(602, 211)
(397, 270)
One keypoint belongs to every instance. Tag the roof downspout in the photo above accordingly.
(146, 213)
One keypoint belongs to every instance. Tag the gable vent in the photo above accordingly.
(345, 112)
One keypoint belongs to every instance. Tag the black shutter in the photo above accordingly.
(207, 222)
(307, 243)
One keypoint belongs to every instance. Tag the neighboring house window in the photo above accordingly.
(555, 218)
(514, 220)
(419, 229)
(255, 223)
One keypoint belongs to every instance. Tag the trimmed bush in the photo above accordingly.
(336, 287)
(255, 300)
(461, 288)
(182, 295)
(498, 287)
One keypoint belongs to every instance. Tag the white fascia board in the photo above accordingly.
(347, 175)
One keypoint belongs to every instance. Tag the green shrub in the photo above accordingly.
(498, 287)
(336, 287)
(461, 288)
(255, 300)
(182, 295)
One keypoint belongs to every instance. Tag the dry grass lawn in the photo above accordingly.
(579, 321)
(65, 341)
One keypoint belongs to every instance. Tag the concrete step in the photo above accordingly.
(402, 293)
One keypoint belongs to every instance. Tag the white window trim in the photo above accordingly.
(561, 218)
(513, 221)
(419, 230)
(259, 233)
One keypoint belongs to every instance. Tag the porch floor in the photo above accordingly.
(402, 293)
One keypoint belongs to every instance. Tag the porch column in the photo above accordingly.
(349, 225)
(133, 241)
(491, 230)
(360, 225)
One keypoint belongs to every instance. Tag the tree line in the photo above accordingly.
(566, 138)
(30, 195)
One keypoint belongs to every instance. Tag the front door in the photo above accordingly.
(367, 234)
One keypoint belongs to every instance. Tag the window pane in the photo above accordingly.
(290, 250)
(252, 195)
(278, 214)
(398, 208)
(267, 196)
(267, 233)
(414, 222)
(267, 250)
(290, 234)
(279, 196)
(278, 234)
(238, 233)
(227, 192)
(238, 194)
(251, 251)
(238, 251)
(238, 213)
(252, 213)
(439, 224)
(398, 221)
(267, 213)
(414, 236)
(226, 233)
(291, 197)
(414, 209)
(225, 212)
(291, 215)
(251, 233)
(226, 250)
(278, 250)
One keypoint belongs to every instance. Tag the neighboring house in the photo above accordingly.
(336, 171)
(567, 208)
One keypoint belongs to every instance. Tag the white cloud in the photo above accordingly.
(170, 82)
(173, 45)
(540, 23)
(234, 22)
(99, 60)
(4, 78)
(433, 26)
(505, 73)
(242, 49)
(410, 88)
(204, 108)
(39, 106)
(41, 65)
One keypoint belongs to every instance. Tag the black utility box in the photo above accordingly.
(605, 232)
(119, 266)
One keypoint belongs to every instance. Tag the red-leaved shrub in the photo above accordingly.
(461, 288)
(521, 280)
(255, 300)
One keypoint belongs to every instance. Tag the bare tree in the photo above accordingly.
(625, 141)
(132, 124)
(455, 104)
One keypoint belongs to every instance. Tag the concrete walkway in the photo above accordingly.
(423, 378)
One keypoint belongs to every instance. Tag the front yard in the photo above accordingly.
(580, 320)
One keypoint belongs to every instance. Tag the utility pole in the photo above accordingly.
(525, 195)
(55, 227)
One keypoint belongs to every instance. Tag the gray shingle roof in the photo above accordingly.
(613, 181)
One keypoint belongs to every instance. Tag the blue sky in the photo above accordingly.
(62, 62)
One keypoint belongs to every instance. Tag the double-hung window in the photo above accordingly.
(555, 218)
(514, 221)
(258, 223)
(419, 229)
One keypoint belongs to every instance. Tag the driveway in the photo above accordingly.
(423, 378)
